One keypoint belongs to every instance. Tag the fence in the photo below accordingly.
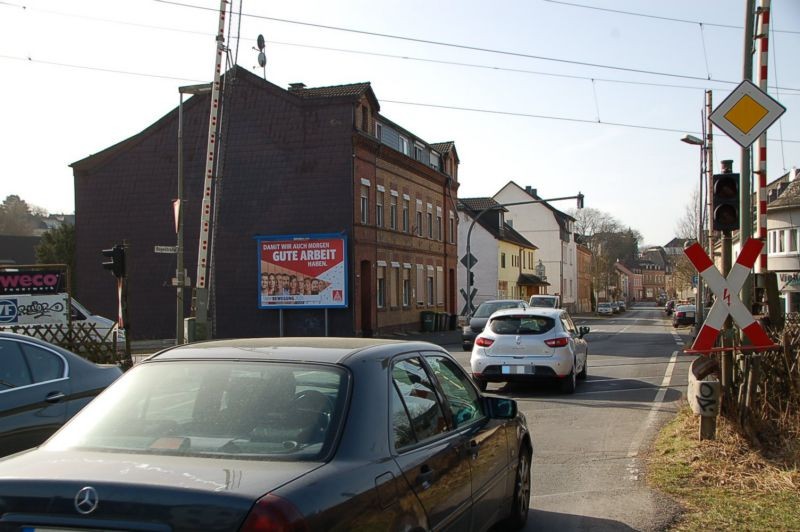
(101, 347)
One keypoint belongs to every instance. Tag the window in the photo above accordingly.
(407, 286)
(430, 225)
(452, 228)
(418, 151)
(435, 160)
(14, 370)
(439, 285)
(420, 285)
(379, 208)
(792, 239)
(381, 288)
(417, 415)
(379, 130)
(439, 224)
(364, 118)
(404, 145)
(502, 260)
(465, 404)
(419, 223)
(781, 241)
(393, 210)
(405, 213)
(44, 365)
(394, 285)
(429, 288)
(364, 204)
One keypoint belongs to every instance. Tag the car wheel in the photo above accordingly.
(583, 373)
(482, 384)
(466, 347)
(521, 502)
(569, 383)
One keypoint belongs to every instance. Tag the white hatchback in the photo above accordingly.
(528, 345)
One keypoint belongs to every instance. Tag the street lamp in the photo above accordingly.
(698, 300)
(180, 277)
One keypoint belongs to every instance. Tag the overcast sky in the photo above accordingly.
(586, 95)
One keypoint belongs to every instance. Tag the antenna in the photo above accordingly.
(262, 57)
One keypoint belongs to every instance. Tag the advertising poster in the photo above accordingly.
(297, 271)
(32, 282)
(33, 310)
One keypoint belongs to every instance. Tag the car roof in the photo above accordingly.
(530, 311)
(684, 306)
(295, 349)
(503, 301)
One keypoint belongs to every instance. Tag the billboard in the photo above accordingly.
(302, 271)
(33, 310)
(32, 281)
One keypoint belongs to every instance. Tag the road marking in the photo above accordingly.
(633, 450)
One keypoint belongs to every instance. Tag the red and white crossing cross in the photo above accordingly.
(727, 292)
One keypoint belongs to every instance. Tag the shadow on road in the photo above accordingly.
(548, 390)
(542, 520)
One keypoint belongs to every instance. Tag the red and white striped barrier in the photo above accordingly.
(727, 302)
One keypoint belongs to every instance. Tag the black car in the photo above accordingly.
(281, 434)
(41, 387)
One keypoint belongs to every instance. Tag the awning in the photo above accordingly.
(527, 279)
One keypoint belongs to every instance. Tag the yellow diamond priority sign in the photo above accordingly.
(746, 113)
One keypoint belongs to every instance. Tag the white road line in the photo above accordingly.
(633, 450)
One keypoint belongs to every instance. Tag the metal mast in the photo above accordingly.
(201, 292)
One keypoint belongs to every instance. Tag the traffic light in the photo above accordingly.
(115, 260)
(725, 202)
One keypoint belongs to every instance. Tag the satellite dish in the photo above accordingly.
(262, 59)
(260, 42)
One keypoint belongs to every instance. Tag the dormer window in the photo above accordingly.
(378, 131)
(419, 151)
(404, 145)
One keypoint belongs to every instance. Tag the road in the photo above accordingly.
(588, 447)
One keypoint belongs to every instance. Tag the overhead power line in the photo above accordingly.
(657, 17)
(451, 45)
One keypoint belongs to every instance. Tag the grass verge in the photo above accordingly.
(723, 484)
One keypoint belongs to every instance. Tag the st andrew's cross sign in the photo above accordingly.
(727, 300)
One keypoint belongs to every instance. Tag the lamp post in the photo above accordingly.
(496, 207)
(698, 301)
(180, 277)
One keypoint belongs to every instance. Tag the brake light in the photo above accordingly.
(557, 342)
(484, 342)
(680, 314)
(274, 514)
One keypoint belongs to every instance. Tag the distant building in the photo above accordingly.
(301, 161)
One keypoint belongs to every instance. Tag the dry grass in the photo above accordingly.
(725, 483)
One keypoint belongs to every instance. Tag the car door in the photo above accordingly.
(32, 391)
(432, 456)
(580, 346)
(487, 440)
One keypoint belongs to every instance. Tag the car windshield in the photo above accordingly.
(490, 307)
(604, 305)
(247, 409)
(543, 302)
(520, 324)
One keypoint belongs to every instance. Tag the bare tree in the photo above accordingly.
(686, 226)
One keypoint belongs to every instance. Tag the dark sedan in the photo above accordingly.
(41, 387)
(281, 434)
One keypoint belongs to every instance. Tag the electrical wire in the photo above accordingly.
(30, 59)
(644, 15)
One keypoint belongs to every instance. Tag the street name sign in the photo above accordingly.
(746, 113)
(165, 249)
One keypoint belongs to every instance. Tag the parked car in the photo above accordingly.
(481, 315)
(669, 306)
(683, 315)
(622, 306)
(544, 300)
(614, 307)
(530, 344)
(604, 309)
(281, 434)
(41, 387)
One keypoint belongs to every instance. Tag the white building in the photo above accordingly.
(552, 231)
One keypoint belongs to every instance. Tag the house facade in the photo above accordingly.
(504, 263)
(296, 162)
(783, 241)
(552, 231)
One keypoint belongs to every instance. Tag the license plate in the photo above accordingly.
(518, 370)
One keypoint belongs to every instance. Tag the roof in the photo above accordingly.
(445, 148)
(528, 279)
(790, 198)
(676, 243)
(296, 349)
(474, 206)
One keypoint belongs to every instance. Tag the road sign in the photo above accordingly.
(727, 301)
(746, 113)
(467, 259)
(165, 249)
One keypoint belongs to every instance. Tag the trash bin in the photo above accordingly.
(453, 322)
(437, 322)
(428, 319)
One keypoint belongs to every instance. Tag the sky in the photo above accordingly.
(589, 96)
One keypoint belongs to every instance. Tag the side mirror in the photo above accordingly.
(500, 407)
(583, 331)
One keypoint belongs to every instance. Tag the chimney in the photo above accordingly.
(794, 173)
(530, 191)
(296, 86)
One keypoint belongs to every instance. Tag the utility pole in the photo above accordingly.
(203, 329)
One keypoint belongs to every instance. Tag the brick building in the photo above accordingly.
(296, 161)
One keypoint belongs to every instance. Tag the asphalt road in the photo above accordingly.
(588, 447)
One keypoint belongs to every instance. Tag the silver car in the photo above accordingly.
(528, 345)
